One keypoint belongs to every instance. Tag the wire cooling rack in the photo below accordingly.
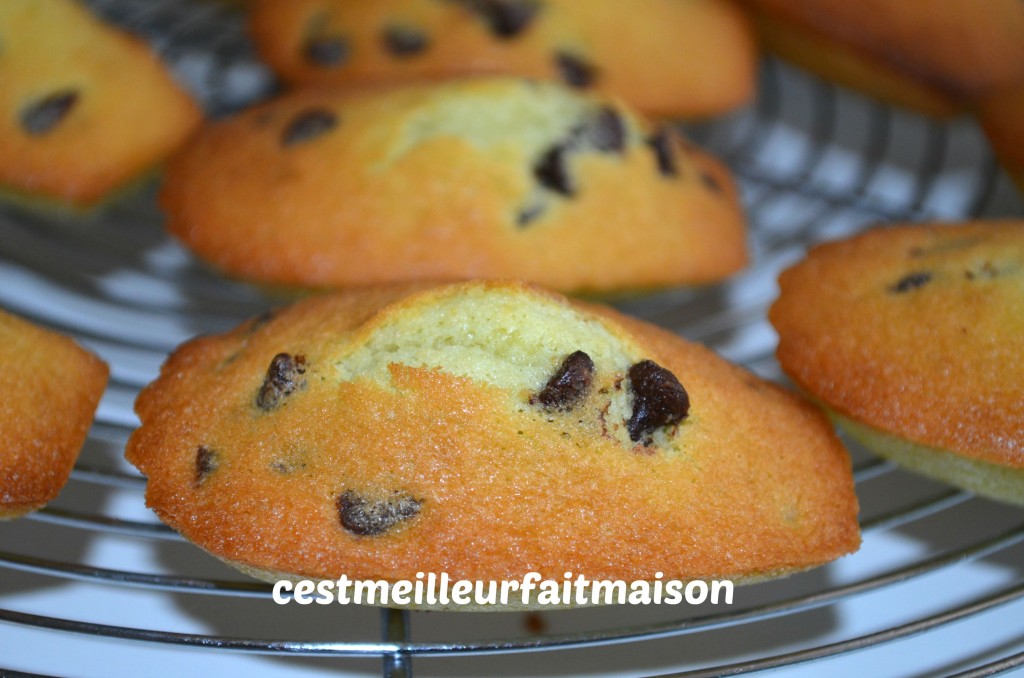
(93, 585)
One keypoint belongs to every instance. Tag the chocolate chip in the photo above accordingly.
(368, 518)
(605, 131)
(552, 171)
(569, 385)
(661, 144)
(309, 125)
(506, 18)
(40, 117)
(574, 70)
(658, 400)
(404, 41)
(207, 461)
(911, 282)
(284, 377)
(326, 50)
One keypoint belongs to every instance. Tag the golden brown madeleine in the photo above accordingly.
(916, 335)
(51, 389)
(664, 57)
(1002, 116)
(84, 108)
(930, 55)
(485, 430)
(483, 178)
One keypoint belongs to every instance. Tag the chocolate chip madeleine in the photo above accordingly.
(84, 107)
(477, 179)
(50, 391)
(678, 58)
(934, 56)
(485, 430)
(913, 337)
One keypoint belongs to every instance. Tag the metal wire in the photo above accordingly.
(121, 287)
(862, 642)
(396, 651)
(993, 669)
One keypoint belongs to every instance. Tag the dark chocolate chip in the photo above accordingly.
(658, 400)
(41, 116)
(284, 377)
(207, 461)
(911, 282)
(404, 41)
(552, 171)
(605, 131)
(309, 125)
(569, 385)
(661, 144)
(370, 518)
(574, 70)
(326, 50)
(506, 18)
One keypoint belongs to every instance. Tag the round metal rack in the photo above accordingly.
(938, 587)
